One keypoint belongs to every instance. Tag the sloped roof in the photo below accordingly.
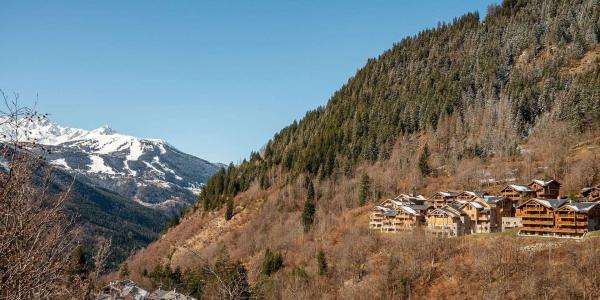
(520, 188)
(581, 206)
(448, 194)
(586, 190)
(493, 199)
(552, 203)
(445, 211)
(477, 205)
(409, 210)
(475, 193)
(544, 182)
(386, 211)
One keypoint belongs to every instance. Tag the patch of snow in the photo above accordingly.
(135, 150)
(61, 162)
(98, 166)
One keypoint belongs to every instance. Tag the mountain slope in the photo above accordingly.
(502, 98)
(149, 171)
(103, 213)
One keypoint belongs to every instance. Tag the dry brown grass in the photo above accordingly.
(364, 264)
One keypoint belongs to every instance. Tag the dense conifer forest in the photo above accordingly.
(468, 105)
(496, 76)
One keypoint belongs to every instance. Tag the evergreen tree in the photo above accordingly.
(272, 262)
(365, 189)
(308, 214)
(229, 209)
(174, 221)
(424, 162)
(322, 263)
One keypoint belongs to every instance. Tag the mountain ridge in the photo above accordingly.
(151, 172)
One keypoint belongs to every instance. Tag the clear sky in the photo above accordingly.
(214, 78)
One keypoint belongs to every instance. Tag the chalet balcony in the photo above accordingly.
(572, 223)
(570, 217)
(537, 222)
(536, 216)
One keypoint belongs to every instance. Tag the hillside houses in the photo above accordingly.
(517, 193)
(534, 208)
(128, 290)
(591, 194)
(545, 188)
(558, 217)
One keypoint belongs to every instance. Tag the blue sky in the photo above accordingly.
(214, 78)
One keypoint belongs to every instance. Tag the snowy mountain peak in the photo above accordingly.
(149, 171)
(104, 130)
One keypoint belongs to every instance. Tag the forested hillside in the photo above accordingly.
(495, 76)
(514, 95)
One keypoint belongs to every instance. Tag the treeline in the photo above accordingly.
(510, 68)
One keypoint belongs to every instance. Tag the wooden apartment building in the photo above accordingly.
(545, 188)
(592, 194)
(394, 216)
(440, 199)
(517, 193)
(577, 219)
(537, 216)
(448, 220)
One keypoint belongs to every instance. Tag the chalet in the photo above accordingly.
(479, 216)
(401, 218)
(545, 188)
(500, 207)
(470, 195)
(411, 198)
(123, 289)
(517, 193)
(378, 215)
(441, 198)
(591, 193)
(537, 215)
(447, 220)
(576, 219)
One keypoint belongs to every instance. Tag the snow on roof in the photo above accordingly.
(386, 211)
(552, 203)
(493, 199)
(520, 188)
(544, 182)
(475, 193)
(582, 206)
(409, 210)
(446, 212)
(477, 205)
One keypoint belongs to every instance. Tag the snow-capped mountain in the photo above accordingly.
(149, 171)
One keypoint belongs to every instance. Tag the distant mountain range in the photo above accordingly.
(148, 171)
(122, 187)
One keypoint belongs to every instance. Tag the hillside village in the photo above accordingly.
(536, 209)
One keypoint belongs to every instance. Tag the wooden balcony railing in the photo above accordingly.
(537, 222)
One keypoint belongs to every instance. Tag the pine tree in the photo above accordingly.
(365, 189)
(308, 214)
(272, 262)
(424, 161)
(322, 263)
(229, 209)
